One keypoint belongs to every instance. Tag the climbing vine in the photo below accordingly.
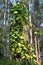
(19, 15)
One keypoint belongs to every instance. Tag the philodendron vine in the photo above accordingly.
(18, 15)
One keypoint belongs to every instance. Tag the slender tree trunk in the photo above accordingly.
(15, 1)
(30, 21)
(37, 51)
(30, 30)
(8, 43)
(6, 29)
(4, 23)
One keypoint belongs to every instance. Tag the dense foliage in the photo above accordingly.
(20, 51)
(13, 62)
(18, 30)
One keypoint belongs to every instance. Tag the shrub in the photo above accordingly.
(13, 62)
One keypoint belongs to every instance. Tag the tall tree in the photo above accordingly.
(37, 45)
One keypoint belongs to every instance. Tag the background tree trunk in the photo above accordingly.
(37, 51)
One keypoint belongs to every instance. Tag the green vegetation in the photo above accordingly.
(20, 50)
(21, 34)
(13, 62)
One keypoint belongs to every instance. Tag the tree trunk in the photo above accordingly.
(37, 51)
(30, 30)
(30, 19)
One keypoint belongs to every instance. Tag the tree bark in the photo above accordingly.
(37, 51)
(30, 30)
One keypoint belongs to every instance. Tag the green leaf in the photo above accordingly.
(35, 33)
(15, 12)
